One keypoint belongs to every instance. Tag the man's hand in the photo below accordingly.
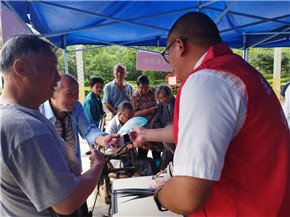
(111, 108)
(96, 158)
(141, 135)
(162, 177)
(152, 110)
(105, 141)
(138, 136)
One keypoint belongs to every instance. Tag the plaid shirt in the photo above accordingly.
(141, 102)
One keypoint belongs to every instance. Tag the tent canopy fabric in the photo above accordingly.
(242, 24)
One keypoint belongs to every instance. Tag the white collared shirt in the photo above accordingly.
(212, 112)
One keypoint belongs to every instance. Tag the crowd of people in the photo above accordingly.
(53, 114)
(224, 133)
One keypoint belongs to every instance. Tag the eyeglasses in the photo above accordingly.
(127, 116)
(165, 53)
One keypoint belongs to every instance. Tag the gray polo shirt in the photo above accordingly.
(113, 95)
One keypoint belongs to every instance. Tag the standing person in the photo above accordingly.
(229, 159)
(144, 103)
(284, 87)
(93, 104)
(117, 90)
(35, 177)
(164, 118)
(286, 106)
(67, 115)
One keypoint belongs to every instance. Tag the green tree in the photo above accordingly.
(101, 61)
(71, 62)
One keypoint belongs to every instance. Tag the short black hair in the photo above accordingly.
(142, 80)
(196, 27)
(125, 105)
(20, 46)
(96, 79)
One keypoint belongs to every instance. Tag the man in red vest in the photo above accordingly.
(232, 139)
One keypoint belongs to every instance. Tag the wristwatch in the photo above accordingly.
(160, 208)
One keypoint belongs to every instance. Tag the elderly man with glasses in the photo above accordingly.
(125, 113)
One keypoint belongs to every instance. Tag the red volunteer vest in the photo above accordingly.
(255, 178)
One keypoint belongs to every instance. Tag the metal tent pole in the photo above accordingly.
(65, 54)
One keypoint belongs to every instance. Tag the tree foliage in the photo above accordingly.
(263, 60)
(101, 61)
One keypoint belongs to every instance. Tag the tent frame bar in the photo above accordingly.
(110, 44)
(117, 20)
(251, 16)
(225, 11)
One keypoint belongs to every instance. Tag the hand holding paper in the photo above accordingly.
(133, 123)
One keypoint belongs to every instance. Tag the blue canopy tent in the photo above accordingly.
(243, 24)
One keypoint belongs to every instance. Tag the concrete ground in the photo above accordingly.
(100, 207)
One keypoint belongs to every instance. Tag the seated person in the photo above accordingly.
(163, 118)
(93, 104)
(125, 112)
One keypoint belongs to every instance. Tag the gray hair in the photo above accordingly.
(125, 105)
(21, 46)
(66, 78)
(120, 65)
(164, 89)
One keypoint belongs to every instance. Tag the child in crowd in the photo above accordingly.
(93, 104)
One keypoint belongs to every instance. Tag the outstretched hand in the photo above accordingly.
(138, 137)
(105, 141)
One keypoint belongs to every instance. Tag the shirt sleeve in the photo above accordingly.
(111, 127)
(91, 112)
(85, 128)
(102, 109)
(212, 111)
(135, 102)
(130, 89)
(107, 92)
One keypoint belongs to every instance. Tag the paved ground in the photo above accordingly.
(100, 207)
